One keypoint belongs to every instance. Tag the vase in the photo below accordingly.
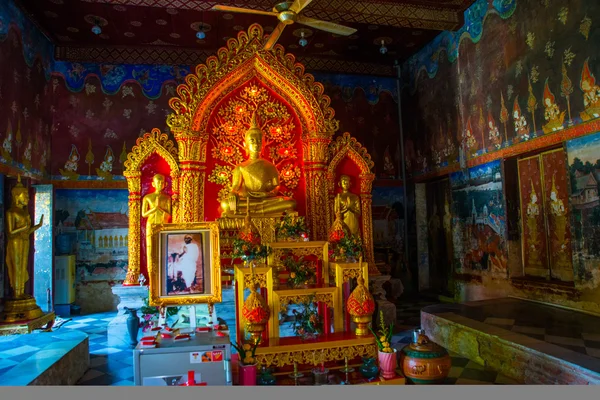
(247, 375)
(321, 376)
(369, 368)
(266, 377)
(133, 325)
(425, 362)
(387, 364)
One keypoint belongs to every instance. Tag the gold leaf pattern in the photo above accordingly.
(585, 27)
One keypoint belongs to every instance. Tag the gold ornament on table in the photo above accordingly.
(256, 312)
(348, 206)
(255, 183)
(360, 306)
(20, 307)
(156, 207)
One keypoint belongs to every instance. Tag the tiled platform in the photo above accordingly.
(43, 358)
(529, 341)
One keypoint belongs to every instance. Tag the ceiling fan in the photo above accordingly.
(288, 13)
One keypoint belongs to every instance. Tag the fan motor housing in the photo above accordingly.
(287, 17)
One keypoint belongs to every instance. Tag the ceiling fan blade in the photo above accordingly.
(241, 10)
(298, 5)
(274, 36)
(325, 26)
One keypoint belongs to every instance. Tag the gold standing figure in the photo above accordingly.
(348, 205)
(255, 183)
(18, 229)
(156, 208)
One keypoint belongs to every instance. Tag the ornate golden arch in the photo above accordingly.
(151, 143)
(242, 60)
(346, 146)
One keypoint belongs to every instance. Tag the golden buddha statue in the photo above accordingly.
(255, 183)
(18, 229)
(156, 207)
(348, 205)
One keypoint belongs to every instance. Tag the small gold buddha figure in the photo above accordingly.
(255, 183)
(18, 229)
(348, 205)
(156, 207)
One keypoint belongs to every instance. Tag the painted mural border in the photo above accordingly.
(72, 184)
(37, 46)
(449, 42)
(538, 143)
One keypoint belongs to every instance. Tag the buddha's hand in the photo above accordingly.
(258, 195)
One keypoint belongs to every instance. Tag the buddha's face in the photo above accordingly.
(345, 183)
(254, 142)
(22, 198)
(159, 183)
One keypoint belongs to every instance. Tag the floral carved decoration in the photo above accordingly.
(280, 142)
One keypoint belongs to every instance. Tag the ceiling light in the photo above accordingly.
(303, 42)
(383, 49)
(96, 29)
(200, 35)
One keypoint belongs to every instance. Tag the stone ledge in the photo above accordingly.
(517, 356)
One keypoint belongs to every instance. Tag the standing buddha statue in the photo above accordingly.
(156, 207)
(18, 229)
(348, 205)
(255, 183)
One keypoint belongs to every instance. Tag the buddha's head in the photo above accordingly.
(158, 182)
(345, 182)
(20, 194)
(253, 138)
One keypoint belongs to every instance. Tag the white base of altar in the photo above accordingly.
(130, 297)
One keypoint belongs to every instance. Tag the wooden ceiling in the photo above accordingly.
(164, 31)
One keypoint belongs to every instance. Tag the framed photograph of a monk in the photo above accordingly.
(184, 267)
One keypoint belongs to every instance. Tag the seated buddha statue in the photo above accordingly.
(255, 183)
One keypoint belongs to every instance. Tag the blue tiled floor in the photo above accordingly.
(112, 365)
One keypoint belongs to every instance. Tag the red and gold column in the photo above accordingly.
(135, 218)
(366, 185)
(315, 164)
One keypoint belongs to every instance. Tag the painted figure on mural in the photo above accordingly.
(255, 183)
(533, 214)
(521, 127)
(447, 221)
(18, 230)
(434, 227)
(493, 131)
(105, 170)
(552, 114)
(559, 223)
(348, 205)
(591, 94)
(7, 144)
(388, 164)
(156, 207)
(469, 139)
(72, 164)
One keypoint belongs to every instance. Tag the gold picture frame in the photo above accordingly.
(185, 265)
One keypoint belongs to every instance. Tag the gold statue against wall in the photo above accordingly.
(533, 212)
(348, 205)
(255, 183)
(156, 207)
(18, 230)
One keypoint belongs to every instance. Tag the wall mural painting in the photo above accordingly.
(97, 223)
(25, 117)
(535, 246)
(479, 221)
(528, 71)
(556, 198)
(388, 216)
(439, 228)
(584, 174)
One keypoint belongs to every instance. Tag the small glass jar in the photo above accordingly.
(321, 376)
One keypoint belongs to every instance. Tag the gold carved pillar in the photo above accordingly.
(366, 185)
(192, 159)
(135, 231)
(315, 160)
